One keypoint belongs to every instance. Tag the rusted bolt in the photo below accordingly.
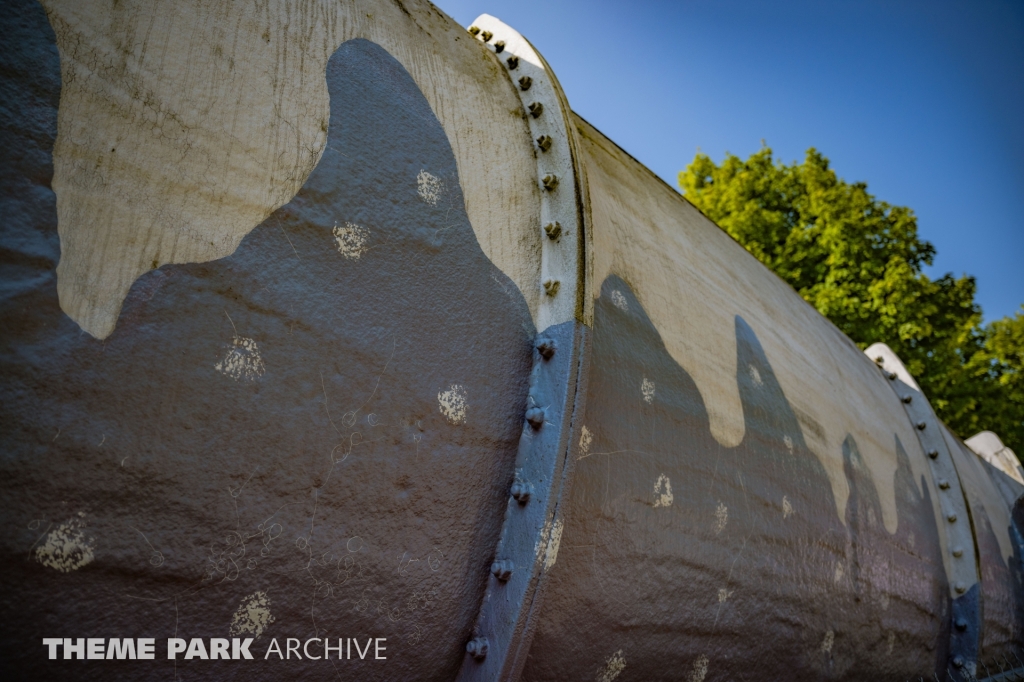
(921, 426)
(550, 182)
(553, 230)
(908, 398)
(521, 492)
(933, 453)
(951, 518)
(879, 360)
(487, 35)
(477, 648)
(499, 46)
(944, 484)
(544, 142)
(551, 286)
(502, 569)
(525, 82)
(961, 588)
(892, 376)
(958, 552)
(546, 347)
(536, 109)
(961, 624)
(535, 417)
(475, 30)
(958, 662)
(513, 63)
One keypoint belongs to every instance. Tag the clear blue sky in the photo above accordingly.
(923, 100)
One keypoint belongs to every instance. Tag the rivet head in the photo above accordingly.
(961, 624)
(551, 286)
(921, 426)
(502, 569)
(475, 30)
(550, 182)
(535, 417)
(553, 230)
(546, 347)
(544, 142)
(944, 484)
(908, 399)
(958, 552)
(525, 82)
(521, 492)
(486, 35)
(951, 518)
(879, 360)
(960, 588)
(933, 453)
(477, 647)
(513, 63)
(958, 661)
(536, 109)
(892, 376)
(499, 46)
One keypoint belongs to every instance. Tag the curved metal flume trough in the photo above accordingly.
(332, 322)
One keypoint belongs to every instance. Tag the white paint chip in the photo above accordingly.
(242, 360)
(840, 571)
(618, 300)
(755, 376)
(787, 507)
(892, 641)
(586, 438)
(663, 492)
(789, 443)
(723, 595)
(351, 240)
(253, 616)
(66, 547)
(453, 404)
(700, 669)
(548, 542)
(721, 517)
(647, 389)
(826, 644)
(613, 667)
(430, 187)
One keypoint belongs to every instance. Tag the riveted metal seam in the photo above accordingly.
(532, 528)
(954, 521)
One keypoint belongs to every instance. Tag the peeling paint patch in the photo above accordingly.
(755, 376)
(66, 547)
(647, 389)
(789, 443)
(618, 300)
(883, 602)
(723, 595)
(430, 187)
(613, 667)
(826, 644)
(253, 615)
(663, 492)
(892, 641)
(351, 240)
(721, 517)
(548, 542)
(700, 669)
(787, 507)
(242, 360)
(840, 571)
(586, 438)
(453, 404)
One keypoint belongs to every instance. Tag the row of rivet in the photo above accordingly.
(521, 491)
(943, 484)
(549, 182)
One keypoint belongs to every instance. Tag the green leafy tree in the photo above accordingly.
(860, 262)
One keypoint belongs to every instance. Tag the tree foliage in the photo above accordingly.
(860, 262)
